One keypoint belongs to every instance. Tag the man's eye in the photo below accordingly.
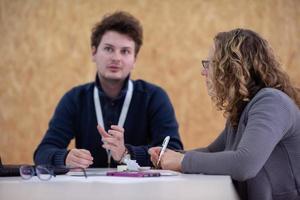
(125, 51)
(108, 49)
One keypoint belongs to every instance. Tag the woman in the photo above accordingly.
(260, 145)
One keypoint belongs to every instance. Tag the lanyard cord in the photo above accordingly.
(123, 114)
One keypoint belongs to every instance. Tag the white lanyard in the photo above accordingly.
(123, 114)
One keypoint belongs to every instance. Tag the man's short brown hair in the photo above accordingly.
(121, 22)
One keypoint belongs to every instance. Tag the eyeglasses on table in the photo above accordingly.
(45, 172)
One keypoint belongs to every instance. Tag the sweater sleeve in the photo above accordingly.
(53, 147)
(162, 123)
(269, 118)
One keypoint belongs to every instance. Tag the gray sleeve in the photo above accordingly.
(269, 118)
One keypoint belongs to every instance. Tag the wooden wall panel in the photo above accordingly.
(45, 51)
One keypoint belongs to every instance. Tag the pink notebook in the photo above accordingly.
(133, 174)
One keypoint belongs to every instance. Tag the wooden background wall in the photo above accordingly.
(45, 50)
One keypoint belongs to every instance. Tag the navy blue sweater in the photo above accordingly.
(150, 118)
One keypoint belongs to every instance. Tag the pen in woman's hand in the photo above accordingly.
(164, 147)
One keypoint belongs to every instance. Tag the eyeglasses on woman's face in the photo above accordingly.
(205, 64)
(44, 172)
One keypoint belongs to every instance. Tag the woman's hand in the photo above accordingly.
(170, 159)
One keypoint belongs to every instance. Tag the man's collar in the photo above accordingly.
(121, 94)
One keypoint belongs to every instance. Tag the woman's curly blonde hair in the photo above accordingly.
(242, 64)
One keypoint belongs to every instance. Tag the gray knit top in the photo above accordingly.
(262, 155)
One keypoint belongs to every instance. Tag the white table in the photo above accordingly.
(183, 186)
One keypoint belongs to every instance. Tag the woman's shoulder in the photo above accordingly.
(272, 95)
(272, 99)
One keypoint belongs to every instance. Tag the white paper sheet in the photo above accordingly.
(103, 179)
(102, 172)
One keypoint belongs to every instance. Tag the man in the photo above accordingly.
(114, 117)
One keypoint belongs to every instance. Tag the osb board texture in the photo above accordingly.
(45, 51)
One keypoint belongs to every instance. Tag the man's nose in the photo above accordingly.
(116, 56)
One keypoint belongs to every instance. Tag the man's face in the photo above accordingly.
(115, 56)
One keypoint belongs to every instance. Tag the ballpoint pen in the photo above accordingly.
(164, 146)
